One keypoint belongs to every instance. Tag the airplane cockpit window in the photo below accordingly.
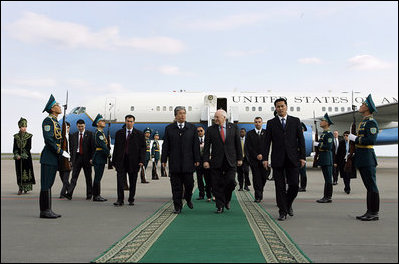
(78, 110)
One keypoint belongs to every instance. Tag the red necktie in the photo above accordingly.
(127, 142)
(81, 144)
(222, 133)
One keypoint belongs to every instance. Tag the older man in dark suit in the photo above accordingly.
(181, 146)
(82, 150)
(128, 157)
(288, 154)
(224, 139)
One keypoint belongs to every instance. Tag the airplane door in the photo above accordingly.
(221, 104)
(110, 106)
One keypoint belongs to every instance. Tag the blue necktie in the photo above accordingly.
(283, 122)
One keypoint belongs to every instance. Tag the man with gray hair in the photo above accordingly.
(224, 139)
(181, 146)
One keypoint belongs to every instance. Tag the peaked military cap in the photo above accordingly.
(147, 130)
(50, 103)
(327, 118)
(370, 104)
(98, 118)
(304, 127)
(22, 122)
(156, 133)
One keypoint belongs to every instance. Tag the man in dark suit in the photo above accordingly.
(288, 154)
(181, 146)
(342, 153)
(224, 139)
(254, 145)
(202, 173)
(82, 149)
(128, 157)
(243, 171)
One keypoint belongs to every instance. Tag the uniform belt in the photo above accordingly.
(364, 146)
(323, 150)
(157, 150)
(99, 149)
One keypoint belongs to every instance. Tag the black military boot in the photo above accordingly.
(163, 172)
(97, 197)
(374, 208)
(142, 176)
(49, 197)
(154, 172)
(368, 199)
(326, 198)
(44, 206)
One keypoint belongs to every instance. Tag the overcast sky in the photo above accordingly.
(93, 48)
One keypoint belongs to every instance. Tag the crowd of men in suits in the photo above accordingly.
(215, 155)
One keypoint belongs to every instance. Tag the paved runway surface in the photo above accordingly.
(325, 232)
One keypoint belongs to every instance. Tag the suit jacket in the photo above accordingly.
(136, 150)
(181, 146)
(231, 148)
(341, 153)
(88, 146)
(254, 145)
(333, 150)
(288, 142)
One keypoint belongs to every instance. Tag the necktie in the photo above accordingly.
(180, 126)
(242, 146)
(201, 141)
(127, 142)
(283, 122)
(222, 133)
(259, 133)
(81, 144)
(336, 145)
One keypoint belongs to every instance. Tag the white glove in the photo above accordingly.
(316, 143)
(66, 155)
(153, 159)
(352, 137)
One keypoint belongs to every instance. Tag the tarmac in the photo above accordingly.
(324, 232)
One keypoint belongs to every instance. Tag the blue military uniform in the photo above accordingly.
(148, 148)
(366, 161)
(326, 160)
(99, 159)
(155, 155)
(49, 159)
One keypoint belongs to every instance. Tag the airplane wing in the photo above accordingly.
(387, 117)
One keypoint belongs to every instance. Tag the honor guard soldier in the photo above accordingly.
(325, 146)
(365, 159)
(155, 155)
(147, 134)
(49, 157)
(100, 157)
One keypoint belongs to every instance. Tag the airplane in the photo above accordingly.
(156, 111)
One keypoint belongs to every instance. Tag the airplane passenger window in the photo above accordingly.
(272, 108)
(170, 108)
(164, 108)
(329, 109)
(323, 109)
(247, 108)
(291, 108)
(342, 109)
(253, 108)
(132, 108)
(190, 108)
(336, 109)
(298, 108)
(260, 108)
(158, 108)
(349, 109)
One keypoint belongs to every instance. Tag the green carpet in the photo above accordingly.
(245, 233)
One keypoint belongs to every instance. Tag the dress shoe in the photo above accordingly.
(335, 183)
(88, 198)
(57, 215)
(213, 199)
(227, 205)
(190, 205)
(370, 217)
(219, 211)
(302, 190)
(324, 200)
(19, 192)
(361, 216)
(61, 197)
(145, 182)
(208, 200)
(282, 217)
(347, 191)
(177, 211)
(68, 196)
(200, 198)
(290, 212)
(118, 203)
(240, 189)
(131, 203)
(99, 199)
(246, 188)
(47, 214)
(257, 201)
(25, 191)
